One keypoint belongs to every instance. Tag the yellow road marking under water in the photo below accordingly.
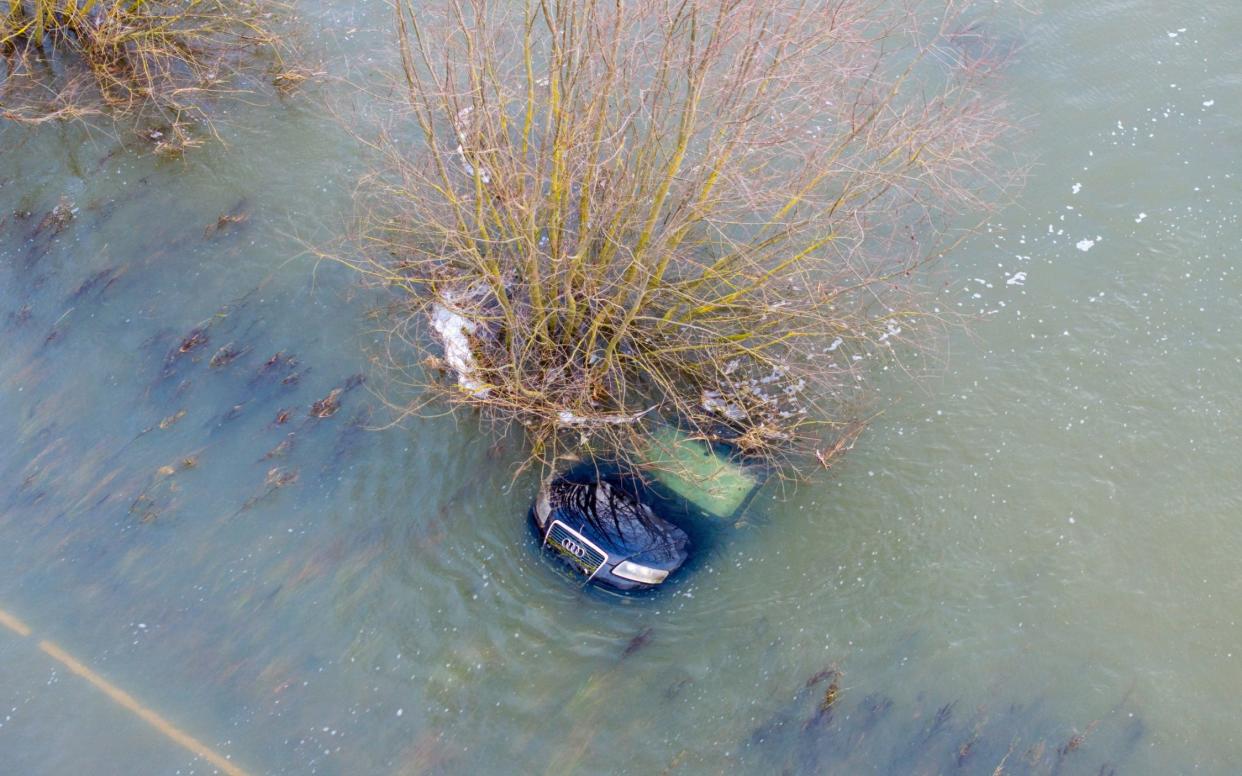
(13, 624)
(127, 701)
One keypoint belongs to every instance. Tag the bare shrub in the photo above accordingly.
(161, 59)
(692, 210)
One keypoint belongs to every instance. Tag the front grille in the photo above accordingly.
(575, 548)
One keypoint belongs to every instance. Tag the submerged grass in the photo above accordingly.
(155, 59)
(713, 213)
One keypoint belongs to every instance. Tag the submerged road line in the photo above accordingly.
(127, 701)
(13, 624)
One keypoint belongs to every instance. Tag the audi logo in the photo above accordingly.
(573, 548)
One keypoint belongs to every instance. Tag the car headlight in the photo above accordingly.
(637, 573)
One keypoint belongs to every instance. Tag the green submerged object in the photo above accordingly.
(714, 481)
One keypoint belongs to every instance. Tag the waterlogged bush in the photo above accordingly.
(608, 215)
(162, 58)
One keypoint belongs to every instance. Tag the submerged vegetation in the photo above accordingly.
(154, 59)
(616, 214)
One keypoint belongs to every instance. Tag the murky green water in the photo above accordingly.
(1041, 542)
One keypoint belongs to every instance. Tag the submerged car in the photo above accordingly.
(603, 529)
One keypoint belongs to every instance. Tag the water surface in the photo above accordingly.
(1029, 561)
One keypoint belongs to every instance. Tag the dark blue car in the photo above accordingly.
(602, 527)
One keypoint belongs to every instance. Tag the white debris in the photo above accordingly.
(568, 418)
(1077, 188)
(712, 402)
(796, 388)
(1140, 219)
(454, 330)
(777, 373)
(463, 124)
(1018, 279)
(484, 175)
(892, 329)
(1085, 245)
(1209, 103)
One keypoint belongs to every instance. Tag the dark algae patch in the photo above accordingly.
(830, 727)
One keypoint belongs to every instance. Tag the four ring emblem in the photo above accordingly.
(573, 548)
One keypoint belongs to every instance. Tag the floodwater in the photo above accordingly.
(1030, 562)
